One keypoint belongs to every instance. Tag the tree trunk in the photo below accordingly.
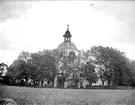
(103, 82)
(76, 84)
(90, 83)
(34, 83)
(52, 83)
(63, 82)
(109, 82)
(42, 83)
(26, 82)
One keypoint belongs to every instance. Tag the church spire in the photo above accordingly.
(67, 36)
(67, 27)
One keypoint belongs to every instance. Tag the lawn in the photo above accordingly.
(46, 96)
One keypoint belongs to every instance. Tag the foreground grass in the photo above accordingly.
(42, 96)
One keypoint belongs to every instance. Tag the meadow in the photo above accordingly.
(47, 96)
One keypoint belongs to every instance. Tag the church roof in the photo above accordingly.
(67, 45)
(67, 34)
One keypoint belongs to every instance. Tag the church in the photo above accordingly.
(68, 46)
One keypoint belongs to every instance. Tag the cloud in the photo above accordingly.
(10, 9)
(3, 43)
(124, 13)
(42, 27)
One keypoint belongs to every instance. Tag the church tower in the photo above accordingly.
(67, 36)
(67, 45)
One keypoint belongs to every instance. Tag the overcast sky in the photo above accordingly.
(33, 26)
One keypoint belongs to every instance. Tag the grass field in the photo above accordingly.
(44, 96)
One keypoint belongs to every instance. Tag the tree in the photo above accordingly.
(114, 62)
(101, 74)
(24, 56)
(47, 68)
(35, 58)
(89, 73)
(32, 73)
(33, 64)
(74, 67)
(31, 61)
(64, 68)
(128, 73)
(3, 73)
(3, 69)
(19, 71)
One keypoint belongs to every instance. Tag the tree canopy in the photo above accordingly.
(105, 63)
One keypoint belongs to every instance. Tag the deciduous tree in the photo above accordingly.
(88, 72)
